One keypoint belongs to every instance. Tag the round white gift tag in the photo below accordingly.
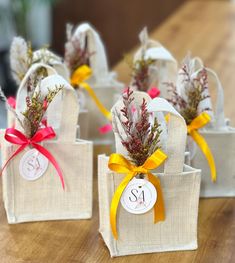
(139, 196)
(33, 165)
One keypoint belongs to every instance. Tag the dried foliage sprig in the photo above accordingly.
(35, 79)
(8, 106)
(140, 73)
(36, 103)
(141, 138)
(195, 92)
(36, 107)
(75, 55)
(21, 58)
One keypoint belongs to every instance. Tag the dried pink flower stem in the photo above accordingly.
(142, 139)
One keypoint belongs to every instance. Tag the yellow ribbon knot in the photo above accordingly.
(140, 170)
(80, 75)
(199, 122)
(119, 164)
(78, 78)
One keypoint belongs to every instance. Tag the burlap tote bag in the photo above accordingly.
(180, 184)
(220, 138)
(102, 82)
(44, 198)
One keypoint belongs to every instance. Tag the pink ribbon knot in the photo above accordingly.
(16, 137)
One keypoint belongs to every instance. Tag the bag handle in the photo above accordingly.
(66, 105)
(52, 60)
(22, 91)
(219, 118)
(166, 64)
(176, 139)
(58, 111)
(177, 131)
(98, 61)
(153, 49)
(197, 63)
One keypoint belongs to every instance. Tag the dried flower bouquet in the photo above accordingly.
(196, 91)
(75, 55)
(36, 104)
(141, 73)
(141, 138)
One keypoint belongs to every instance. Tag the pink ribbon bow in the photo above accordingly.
(16, 137)
(154, 92)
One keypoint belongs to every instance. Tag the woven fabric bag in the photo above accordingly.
(44, 198)
(102, 81)
(221, 140)
(138, 234)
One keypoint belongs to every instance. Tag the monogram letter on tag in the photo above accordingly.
(33, 165)
(139, 196)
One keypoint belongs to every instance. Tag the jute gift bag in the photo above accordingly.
(44, 198)
(180, 184)
(102, 82)
(220, 138)
(166, 66)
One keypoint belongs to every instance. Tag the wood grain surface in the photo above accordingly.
(206, 28)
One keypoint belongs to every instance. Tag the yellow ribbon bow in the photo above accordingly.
(118, 163)
(78, 78)
(196, 124)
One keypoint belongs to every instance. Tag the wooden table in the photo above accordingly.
(206, 28)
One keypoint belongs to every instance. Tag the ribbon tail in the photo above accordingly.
(20, 149)
(50, 157)
(100, 106)
(115, 201)
(159, 209)
(201, 142)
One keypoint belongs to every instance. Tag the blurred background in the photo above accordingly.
(43, 23)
